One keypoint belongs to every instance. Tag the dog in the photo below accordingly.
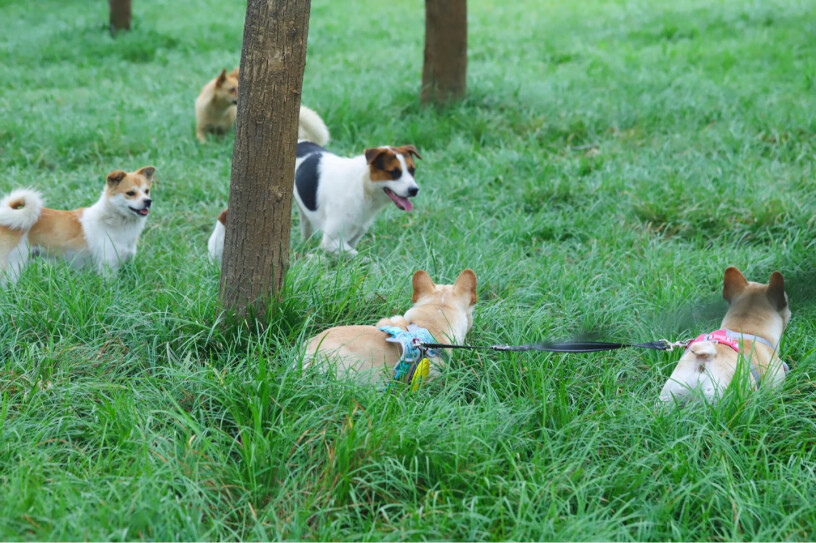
(216, 108)
(364, 352)
(341, 196)
(103, 235)
(752, 327)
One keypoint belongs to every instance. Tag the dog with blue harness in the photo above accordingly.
(391, 350)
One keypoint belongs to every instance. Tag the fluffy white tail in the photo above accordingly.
(216, 243)
(312, 128)
(20, 209)
(703, 350)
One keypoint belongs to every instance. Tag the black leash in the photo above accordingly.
(564, 347)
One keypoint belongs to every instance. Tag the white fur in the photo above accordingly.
(216, 243)
(22, 218)
(347, 201)
(111, 232)
(311, 127)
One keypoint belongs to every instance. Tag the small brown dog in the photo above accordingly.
(444, 311)
(752, 327)
(216, 108)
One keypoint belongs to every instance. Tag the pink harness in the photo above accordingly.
(730, 338)
(717, 336)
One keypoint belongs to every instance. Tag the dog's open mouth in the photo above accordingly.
(401, 201)
(143, 212)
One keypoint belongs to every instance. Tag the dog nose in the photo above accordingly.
(413, 191)
(147, 203)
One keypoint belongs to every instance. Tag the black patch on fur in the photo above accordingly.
(307, 148)
(306, 179)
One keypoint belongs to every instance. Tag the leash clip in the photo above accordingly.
(671, 345)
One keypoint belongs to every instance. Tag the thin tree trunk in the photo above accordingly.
(444, 71)
(256, 244)
(120, 15)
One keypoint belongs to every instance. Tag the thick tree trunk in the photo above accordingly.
(256, 245)
(444, 72)
(119, 15)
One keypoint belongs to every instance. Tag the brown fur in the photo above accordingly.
(222, 218)
(444, 310)
(215, 106)
(384, 165)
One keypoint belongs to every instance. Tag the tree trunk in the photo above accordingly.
(256, 244)
(119, 15)
(444, 72)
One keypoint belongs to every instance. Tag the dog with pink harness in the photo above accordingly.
(751, 329)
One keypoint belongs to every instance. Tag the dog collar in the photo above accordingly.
(731, 339)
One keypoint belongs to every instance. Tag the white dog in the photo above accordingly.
(104, 235)
(341, 196)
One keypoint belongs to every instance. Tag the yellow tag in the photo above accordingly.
(422, 371)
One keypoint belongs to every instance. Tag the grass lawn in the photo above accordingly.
(611, 159)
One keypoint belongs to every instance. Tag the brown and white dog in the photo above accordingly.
(752, 327)
(216, 108)
(341, 196)
(446, 311)
(104, 235)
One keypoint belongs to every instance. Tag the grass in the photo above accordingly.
(610, 160)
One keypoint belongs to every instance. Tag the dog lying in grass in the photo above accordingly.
(371, 354)
(752, 327)
(103, 235)
(216, 108)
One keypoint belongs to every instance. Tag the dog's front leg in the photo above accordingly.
(335, 246)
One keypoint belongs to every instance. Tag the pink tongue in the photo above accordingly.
(144, 211)
(403, 203)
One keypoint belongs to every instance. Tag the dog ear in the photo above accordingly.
(465, 286)
(422, 284)
(412, 150)
(374, 152)
(148, 172)
(221, 78)
(776, 291)
(222, 218)
(115, 177)
(733, 283)
(236, 72)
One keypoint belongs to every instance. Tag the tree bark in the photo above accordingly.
(120, 15)
(256, 244)
(444, 71)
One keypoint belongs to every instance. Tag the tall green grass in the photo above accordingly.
(610, 160)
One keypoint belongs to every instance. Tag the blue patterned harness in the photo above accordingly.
(413, 352)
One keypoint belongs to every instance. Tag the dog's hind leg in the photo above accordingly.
(14, 262)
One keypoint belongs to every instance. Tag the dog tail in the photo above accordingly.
(215, 245)
(312, 128)
(20, 209)
(703, 350)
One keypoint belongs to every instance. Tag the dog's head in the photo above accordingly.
(755, 305)
(753, 308)
(448, 309)
(129, 193)
(226, 87)
(392, 169)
